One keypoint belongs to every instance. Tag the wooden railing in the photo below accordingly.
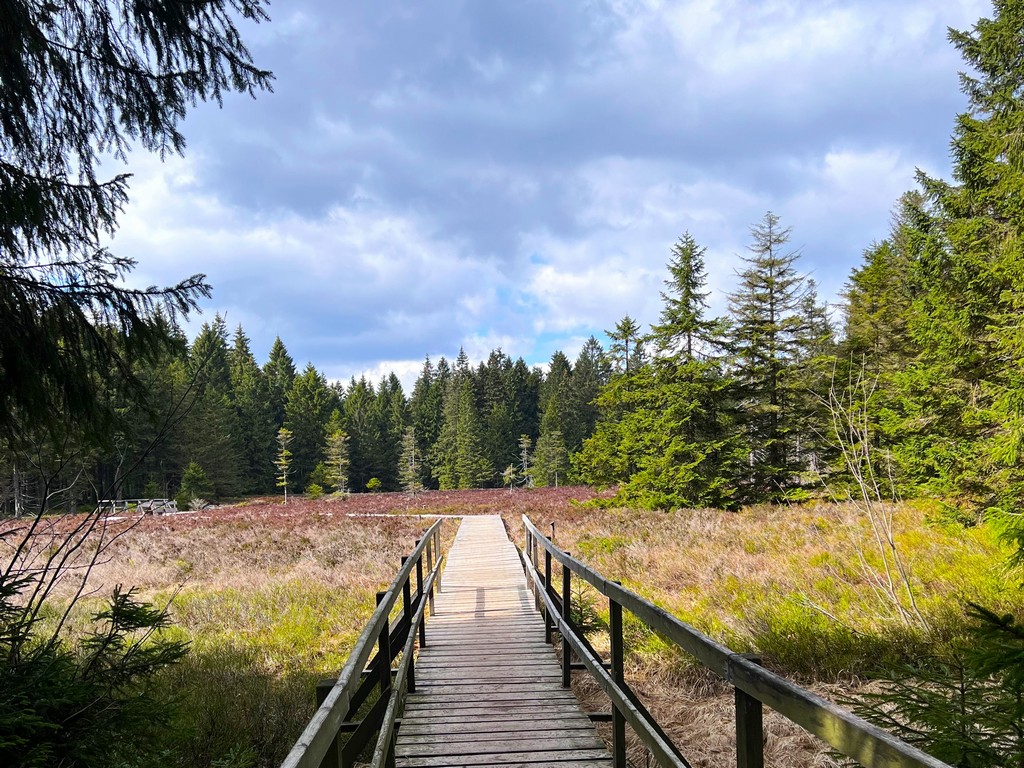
(754, 685)
(341, 701)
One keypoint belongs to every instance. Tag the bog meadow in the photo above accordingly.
(193, 530)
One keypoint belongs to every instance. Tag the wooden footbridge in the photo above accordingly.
(482, 687)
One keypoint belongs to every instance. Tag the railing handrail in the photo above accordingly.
(323, 727)
(853, 736)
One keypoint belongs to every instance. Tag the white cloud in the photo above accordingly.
(437, 188)
(360, 274)
(407, 372)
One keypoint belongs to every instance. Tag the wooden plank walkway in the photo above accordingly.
(488, 689)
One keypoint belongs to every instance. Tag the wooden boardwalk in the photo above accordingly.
(488, 689)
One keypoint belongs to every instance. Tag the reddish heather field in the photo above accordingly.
(272, 595)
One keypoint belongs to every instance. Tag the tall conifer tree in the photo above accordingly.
(255, 416)
(309, 407)
(766, 332)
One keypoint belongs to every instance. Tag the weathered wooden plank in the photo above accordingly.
(532, 759)
(555, 713)
(415, 747)
(485, 729)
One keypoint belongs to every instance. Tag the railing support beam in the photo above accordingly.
(749, 728)
(548, 623)
(618, 655)
(333, 757)
(566, 616)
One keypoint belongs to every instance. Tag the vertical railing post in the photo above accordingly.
(407, 612)
(548, 624)
(333, 757)
(437, 556)
(389, 758)
(384, 651)
(566, 615)
(419, 593)
(749, 728)
(419, 571)
(618, 675)
(531, 558)
(431, 562)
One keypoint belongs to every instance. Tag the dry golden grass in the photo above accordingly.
(792, 584)
(272, 597)
(736, 575)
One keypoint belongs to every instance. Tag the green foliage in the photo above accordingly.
(666, 438)
(458, 459)
(308, 408)
(280, 375)
(320, 476)
(194, 485)
(771, 319)
(626, 345)
(314, 491)
(550, 459)
(284, 459)
(93, 704)
(91, 85)
(967, 709)
(409, 466)
(374, 484)
(337, 459)
(255, 416)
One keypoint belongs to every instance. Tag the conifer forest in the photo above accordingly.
(914, 378)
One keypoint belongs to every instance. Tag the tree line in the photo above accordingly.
(915, 385)
(211, 418)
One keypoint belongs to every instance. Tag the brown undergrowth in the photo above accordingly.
(272, 597)
(793, 585)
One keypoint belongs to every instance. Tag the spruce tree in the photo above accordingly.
(472, 467)
(337, 457)
(409, 463)
(362, 423)
(280, 373)
(766, 331)
(392, 414)
(557, 405)
(499, 423)
(625, 340)
(524, 386)
(590, 372)
(283, 462)
(525, 468)
(425, 412)
(255, 416)
(310, 404)
(683, 332)
(210, 432)
(550, 459)
(444, 449)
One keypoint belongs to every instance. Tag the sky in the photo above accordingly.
(514, 173)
